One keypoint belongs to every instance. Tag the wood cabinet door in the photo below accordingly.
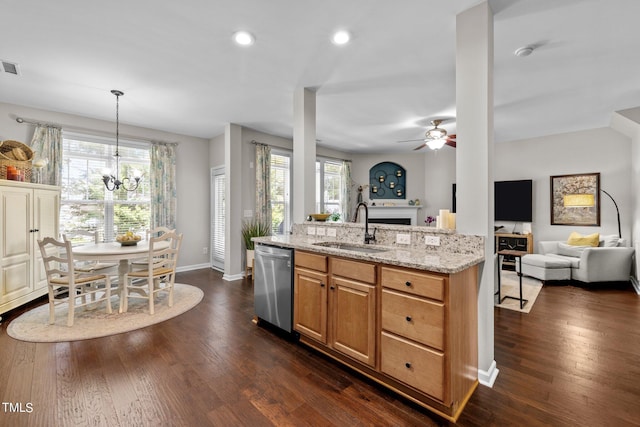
(353, 307)
(310, 304)
(16, 213)
(45, 220)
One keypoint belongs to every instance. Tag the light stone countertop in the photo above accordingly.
(437, 261)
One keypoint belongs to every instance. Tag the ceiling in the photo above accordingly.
(181, 72)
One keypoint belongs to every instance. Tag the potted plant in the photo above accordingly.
(253, 228)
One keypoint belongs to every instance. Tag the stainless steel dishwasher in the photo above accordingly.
(273, 285)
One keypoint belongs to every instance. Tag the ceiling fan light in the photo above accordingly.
(436, 133)
(436, 144)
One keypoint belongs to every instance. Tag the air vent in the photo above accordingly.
(10, 67)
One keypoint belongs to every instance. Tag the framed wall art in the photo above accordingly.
(575, 199)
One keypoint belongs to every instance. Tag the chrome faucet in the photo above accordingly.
(368, 238)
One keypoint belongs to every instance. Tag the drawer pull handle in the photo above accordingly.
(408, 283)
(407, 365)
(408, 318)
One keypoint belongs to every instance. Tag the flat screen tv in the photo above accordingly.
(514, 200)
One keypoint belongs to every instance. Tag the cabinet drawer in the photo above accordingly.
(414, 318)
(361, 271)
(421, 284)
(311, 261)
(413, 364)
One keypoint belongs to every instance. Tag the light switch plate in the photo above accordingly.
(331, 232)
(320, 231)
(432, 240)
(311, 231)
(403, 239)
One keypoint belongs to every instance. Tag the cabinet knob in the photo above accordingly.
(407, 365)
(321, 284)
(407, 283)
(408, 318)
(332, 287)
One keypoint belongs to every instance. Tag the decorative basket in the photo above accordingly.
(18, 155)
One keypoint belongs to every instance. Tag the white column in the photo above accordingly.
(233, 202)
(304, 154)
(474, 160)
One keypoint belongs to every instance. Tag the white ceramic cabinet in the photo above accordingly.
(28, 212)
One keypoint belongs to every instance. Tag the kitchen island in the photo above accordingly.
(404, 315)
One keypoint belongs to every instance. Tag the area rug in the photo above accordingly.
(94, 321)
(510, 286)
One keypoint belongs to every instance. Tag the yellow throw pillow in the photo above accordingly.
(577, 239)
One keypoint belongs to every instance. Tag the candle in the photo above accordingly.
(444, 218)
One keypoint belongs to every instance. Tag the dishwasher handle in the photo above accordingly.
(276, 256)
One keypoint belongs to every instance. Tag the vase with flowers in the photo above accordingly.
(430, 220)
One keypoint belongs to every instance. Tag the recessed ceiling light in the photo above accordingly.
(244, 38)
(341, 37)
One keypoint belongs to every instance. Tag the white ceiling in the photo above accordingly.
(181, 72)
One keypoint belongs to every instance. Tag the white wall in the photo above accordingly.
(246, 164)
(595, 150)
(192, 168)
(430, 175)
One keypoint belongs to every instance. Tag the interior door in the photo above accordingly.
(217, 218)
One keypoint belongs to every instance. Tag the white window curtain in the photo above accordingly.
(47, 144)
(263, 183)
(163, 185)
(345, 195)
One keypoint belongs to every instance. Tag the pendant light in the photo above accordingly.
(111, 181)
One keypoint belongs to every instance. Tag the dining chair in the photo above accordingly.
(141, 264)
(159, 274)
(62, 278)
(83, 237)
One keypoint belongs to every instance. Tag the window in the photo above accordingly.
(86, 203)
(280, 192)
(328, 186)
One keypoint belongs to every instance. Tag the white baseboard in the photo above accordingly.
(192, 267)
(488, 377)
(232, 277)
(636, 284)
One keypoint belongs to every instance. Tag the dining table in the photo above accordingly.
(114, 251)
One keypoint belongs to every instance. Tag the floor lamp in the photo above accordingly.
(588, 201)
(617, 212)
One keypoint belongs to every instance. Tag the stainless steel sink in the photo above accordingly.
(351, 247)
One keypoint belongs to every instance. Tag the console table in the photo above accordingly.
(515, 255)
(513, 242)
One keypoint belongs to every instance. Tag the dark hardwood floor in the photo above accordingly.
(573, 361)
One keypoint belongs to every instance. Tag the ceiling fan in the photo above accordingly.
(435, 138)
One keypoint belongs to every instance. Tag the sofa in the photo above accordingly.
(609, 261)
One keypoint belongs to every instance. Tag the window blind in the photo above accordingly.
(218, 219)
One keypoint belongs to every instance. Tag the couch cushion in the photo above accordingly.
(609, 241)
(577, 239)
(574, 262)
(545, 261)
(570, 250)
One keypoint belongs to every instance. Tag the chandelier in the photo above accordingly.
(111, 181)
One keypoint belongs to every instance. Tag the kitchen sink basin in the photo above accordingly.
(351, 247)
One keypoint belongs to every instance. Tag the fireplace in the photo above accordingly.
(397, 221)
(407, 215)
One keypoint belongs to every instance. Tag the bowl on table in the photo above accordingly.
(128, 239)
(320, 217)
